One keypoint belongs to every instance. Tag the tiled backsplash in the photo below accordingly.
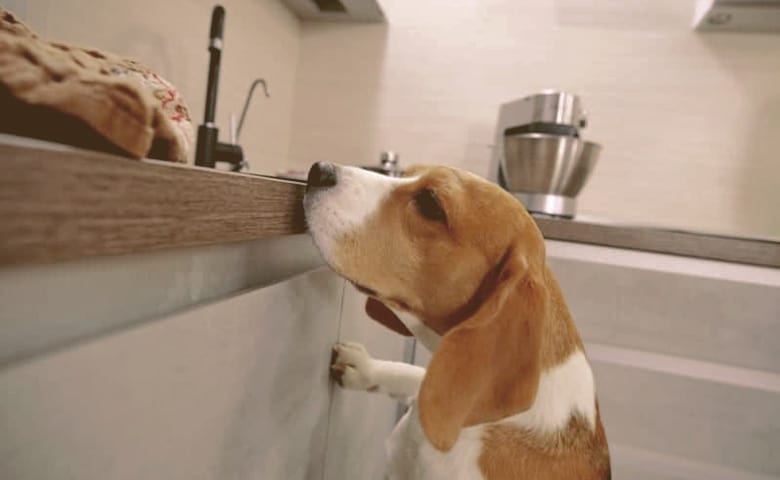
(261, 40)
(688, 121)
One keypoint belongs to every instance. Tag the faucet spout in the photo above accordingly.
(258, 81)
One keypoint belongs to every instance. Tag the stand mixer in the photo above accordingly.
(539, 155)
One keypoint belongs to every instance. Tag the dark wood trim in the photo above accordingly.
(59, 203)
(714, 247)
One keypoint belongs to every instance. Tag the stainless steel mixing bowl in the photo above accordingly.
(547, 164)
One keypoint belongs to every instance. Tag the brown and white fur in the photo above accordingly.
(453, 259)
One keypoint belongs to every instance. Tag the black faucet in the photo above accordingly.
(209, 150)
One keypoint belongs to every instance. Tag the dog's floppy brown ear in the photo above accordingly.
(487, 367)
(379, 312)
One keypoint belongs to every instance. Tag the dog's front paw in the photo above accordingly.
(351, 367)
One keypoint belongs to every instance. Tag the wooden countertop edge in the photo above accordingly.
(748, 251)
(59, 203)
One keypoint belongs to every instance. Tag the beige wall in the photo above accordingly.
(261, 40)
(690, 122)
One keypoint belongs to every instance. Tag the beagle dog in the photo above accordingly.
(456, 261)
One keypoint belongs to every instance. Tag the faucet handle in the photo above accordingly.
(390, 162)
(232, 154)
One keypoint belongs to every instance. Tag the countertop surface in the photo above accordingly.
(61, 203)
(752, 251)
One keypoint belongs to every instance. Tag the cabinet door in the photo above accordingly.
(684, 353)
(361, 421)
(235, 389)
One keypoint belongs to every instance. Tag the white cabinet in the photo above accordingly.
(234, 389)
(684, 352)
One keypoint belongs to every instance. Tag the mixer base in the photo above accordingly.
(555, 205)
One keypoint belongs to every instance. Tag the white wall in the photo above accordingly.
(690, 122)
(171, 36)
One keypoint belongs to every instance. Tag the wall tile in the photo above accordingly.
(261, 40)
(687, 120)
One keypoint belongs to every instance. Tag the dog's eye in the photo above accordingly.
(428, 205)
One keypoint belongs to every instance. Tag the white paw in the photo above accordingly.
(351, 367)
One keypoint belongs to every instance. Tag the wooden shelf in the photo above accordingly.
(60, 203)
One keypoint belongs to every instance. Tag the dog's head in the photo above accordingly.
(458, 253)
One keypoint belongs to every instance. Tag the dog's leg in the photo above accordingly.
(354, 369)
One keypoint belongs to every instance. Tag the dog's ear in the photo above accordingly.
(487, 366)
(379, 312)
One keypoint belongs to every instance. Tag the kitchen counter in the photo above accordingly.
(92, 244)
(762, 252)
(61, 203)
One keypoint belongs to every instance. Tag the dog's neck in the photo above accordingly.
(560, 337)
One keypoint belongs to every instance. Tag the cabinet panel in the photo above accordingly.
(700, 420)
(361, 421)
(684, 352)
(235, 389)
(690, 315)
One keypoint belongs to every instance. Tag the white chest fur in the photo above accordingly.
(412, 457)
(563, 391)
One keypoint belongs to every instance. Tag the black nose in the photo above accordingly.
(322, 174)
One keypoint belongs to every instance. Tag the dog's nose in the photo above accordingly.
(322, 174)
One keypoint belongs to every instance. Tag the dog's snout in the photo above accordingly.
(322, 174)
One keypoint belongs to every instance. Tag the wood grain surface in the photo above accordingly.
(690, 244)
(63, 204)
